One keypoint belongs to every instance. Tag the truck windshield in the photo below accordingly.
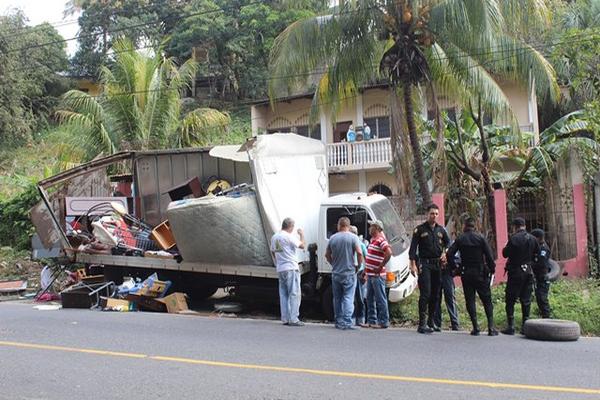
(393, 226)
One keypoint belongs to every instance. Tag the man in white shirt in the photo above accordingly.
(283, 249)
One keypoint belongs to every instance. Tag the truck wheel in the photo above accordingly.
(327, 303)
(556, 330)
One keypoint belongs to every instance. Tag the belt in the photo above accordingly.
(429, 260)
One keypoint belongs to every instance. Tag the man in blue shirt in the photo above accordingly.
(340, 254)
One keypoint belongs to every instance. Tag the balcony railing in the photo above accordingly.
(370, 154)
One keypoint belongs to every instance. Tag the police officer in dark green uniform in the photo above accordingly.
(477, 267)
(427, 258)
(519, 251)
(541, 267)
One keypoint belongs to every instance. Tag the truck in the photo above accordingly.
(279, 175)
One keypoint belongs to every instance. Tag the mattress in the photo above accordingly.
(220, 230)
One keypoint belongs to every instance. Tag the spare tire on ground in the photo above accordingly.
(555, 271)
(557, 330)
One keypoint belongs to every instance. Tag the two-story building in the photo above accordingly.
(363, 166)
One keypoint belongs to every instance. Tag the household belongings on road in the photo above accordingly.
(106, 227)
(147, 295)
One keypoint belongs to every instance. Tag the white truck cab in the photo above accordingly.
(360, 208)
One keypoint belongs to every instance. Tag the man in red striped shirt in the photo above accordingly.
(379, 253)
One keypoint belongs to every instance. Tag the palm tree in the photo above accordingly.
(453, 46)
(140, 107)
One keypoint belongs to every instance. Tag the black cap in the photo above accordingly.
(538, 233)
(518, 221)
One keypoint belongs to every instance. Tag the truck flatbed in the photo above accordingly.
(173, 265)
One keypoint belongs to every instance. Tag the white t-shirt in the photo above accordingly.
(284, 245)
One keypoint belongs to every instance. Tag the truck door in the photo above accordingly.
(329, 216)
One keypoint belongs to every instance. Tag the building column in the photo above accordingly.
(532, 108)
(324, 121)
(358, 120)
(254, 117)
(362, 181)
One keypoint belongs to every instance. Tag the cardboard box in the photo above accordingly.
(175, 302)
(145, 303)
(110, 304)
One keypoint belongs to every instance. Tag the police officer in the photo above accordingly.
(427, 256)
(541, 267)
(520, 250)
(477, 267)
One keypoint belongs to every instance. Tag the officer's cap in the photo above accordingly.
(538, 233)
(518, 221)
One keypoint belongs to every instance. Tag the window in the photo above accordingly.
(380, 127)
(358, 217)
(450, 113)
(315, 132)
(392, 226)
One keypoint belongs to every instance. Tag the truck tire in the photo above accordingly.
(555, 271)
(556, 330)
(327, 303)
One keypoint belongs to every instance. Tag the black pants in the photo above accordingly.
(429, 288)
(447, 289)
(480, 285)
(542, 288)
(519, 286)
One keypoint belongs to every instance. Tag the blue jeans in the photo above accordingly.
(360, 307)
(289, 295)
(343, 286)
(448, 293)
(377, 304)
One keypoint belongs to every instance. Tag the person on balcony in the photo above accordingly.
(351, 134)
(366, 132)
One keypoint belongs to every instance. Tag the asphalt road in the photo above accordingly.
(72, 354)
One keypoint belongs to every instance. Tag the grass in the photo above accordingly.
(576, 300)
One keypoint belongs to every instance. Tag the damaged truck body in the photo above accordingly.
(220, 239)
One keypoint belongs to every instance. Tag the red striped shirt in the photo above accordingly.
(375, 255)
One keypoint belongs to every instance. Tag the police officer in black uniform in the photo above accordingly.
(541, 267)
(520, 250)
(476, 269)
(427, 257)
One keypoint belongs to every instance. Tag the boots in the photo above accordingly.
(475, 331)
(423, 328)
(510, 329)
(489, 311)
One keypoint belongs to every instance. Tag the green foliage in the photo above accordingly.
(233, 45)
(29, 80)
(576, 300)
(101, 23)
(16, 228)
(140, 107)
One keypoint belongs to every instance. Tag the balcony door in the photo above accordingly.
(339, 132)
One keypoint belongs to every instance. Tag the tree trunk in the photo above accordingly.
(400, 149)
(414, 143)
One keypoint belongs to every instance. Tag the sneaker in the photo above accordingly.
(492, 332)
(286, 322)
(351, 328)
(363, 325)
(297, 323)
(435, 328)
(424, 329)
(378, 326)
(475, 332)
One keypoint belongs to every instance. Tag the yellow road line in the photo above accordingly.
(71, 349)
(309, 371)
